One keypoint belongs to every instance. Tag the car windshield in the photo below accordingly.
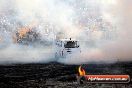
(71, 44)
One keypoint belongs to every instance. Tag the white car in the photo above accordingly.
(66, 47)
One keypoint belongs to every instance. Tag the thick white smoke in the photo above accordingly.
(118, 48)
(102, 26)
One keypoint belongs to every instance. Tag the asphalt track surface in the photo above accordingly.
(56, 75)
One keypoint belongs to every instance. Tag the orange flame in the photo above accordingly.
(81, 71)
(23, 31)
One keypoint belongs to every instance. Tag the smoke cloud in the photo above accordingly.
(103, 28)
